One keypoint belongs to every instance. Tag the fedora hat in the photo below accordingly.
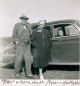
(24, 17)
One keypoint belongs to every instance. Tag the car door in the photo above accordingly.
(65, 49)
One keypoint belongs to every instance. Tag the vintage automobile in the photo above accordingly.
(65, 48)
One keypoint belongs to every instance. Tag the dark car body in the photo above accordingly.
(65, 49)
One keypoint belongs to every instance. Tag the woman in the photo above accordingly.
(60, 32)
(41, 42)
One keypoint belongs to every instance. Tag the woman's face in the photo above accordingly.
(60, 32)
(41, 24)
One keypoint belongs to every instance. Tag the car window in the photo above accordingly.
(58, 31)
(71, 30)
(55, 32)
(67, 30)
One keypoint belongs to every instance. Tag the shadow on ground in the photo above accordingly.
(51, 67)
(63, 67)
(9, 66)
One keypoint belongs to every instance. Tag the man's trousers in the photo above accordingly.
(23, 53)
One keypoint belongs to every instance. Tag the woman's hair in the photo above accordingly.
(60, 28)
(42, 21)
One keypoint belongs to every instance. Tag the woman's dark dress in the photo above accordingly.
(41, 43)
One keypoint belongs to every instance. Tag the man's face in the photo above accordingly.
(24, 21)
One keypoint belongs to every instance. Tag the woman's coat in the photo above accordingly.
(41, 43)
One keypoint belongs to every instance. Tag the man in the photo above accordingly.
(41, 42)
(21, 38)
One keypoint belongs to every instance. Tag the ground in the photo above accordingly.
(7, 72)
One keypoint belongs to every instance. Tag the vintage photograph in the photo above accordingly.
(40, 39)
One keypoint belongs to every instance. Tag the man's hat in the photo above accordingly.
(24, 17)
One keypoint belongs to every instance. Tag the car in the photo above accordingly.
(65, 49)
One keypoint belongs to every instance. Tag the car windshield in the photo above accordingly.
(78, 23)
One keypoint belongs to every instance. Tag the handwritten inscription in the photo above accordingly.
(40, 82)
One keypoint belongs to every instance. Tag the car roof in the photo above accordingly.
(66, 21)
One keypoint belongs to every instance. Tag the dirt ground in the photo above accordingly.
(7, 72)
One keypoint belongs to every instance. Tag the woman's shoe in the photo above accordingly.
(42, 77)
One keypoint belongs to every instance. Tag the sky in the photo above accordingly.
(51, 10)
